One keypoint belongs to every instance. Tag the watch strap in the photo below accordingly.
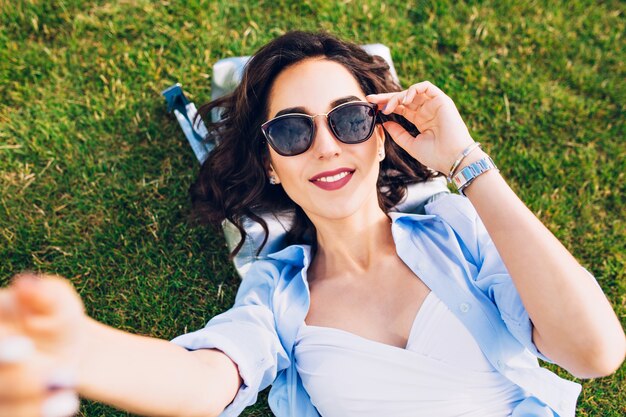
(469, 173)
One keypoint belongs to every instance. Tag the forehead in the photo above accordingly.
(313, 83)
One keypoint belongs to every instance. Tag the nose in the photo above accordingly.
(325, 144)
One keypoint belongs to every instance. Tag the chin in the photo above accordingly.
(335, 210)
(339, 204)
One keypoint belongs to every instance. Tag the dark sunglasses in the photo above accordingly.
(292, 134)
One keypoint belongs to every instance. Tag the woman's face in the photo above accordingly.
(349, 171)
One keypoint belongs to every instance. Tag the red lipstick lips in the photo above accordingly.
(332, 180)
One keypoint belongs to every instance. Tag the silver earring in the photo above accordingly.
(381, 154)
(273, 180)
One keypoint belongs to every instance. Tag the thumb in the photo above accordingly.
(41, 295)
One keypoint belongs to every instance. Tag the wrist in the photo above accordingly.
(477, 155)
(88, 330)
(466, 176)
(461, 155)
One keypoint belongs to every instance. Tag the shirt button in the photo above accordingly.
(464, 307)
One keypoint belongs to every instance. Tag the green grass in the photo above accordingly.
(94, 172)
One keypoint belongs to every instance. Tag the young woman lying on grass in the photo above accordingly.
(381, 313)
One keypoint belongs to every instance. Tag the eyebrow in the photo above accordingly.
(333, 104)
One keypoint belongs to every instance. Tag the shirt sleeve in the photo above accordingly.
(495, 280)
(492, 277)
(247, 334)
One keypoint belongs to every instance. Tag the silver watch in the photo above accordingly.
(468, 174)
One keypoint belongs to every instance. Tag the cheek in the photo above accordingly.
(371, 152)
(294, 186)
(289, 170)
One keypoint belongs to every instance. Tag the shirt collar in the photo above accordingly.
(406, 218)
(296, 255)
(300, 255)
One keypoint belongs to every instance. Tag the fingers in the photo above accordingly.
(380, 98)
(20, 382)
(15, 349)
(32, 408)
(36, 295)
(18, 377)
(45, 295)
(30, 383)
(415, 146)
(412, 98)
(399, 134)
(25, 308)
(8, 308)
(46, 309)
(27, 388)
(61, 404)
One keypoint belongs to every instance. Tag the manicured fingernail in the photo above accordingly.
(15, 349)
(61, 379)
(63, 404)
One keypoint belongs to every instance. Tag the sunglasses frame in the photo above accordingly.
(311, 119)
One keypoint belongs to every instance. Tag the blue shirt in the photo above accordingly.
(451, 252)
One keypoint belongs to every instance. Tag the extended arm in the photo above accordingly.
(140, 374)
(154, 377)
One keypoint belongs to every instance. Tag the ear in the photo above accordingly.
(271, 173)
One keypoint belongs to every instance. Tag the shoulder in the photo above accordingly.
(453, 207)
(274, 271)
(275, 264)
(459, 213)
(450, 221)
(451, 210)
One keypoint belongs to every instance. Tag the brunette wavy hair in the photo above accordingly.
(233, 182)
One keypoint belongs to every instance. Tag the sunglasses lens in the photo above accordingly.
(353, 123)
(290, 135)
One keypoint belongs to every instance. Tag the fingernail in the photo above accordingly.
(61, 379)
(15, 349)
(63, 404)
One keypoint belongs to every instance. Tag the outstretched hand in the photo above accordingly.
(443, 134)
(40, 343)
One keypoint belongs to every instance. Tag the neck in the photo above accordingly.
(354, 244)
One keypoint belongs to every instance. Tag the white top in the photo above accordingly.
(442, 372)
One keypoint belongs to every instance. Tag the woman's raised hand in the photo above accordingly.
(443, 135)
(40, 345)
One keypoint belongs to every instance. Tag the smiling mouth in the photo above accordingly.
(333, 178)
(333, 182)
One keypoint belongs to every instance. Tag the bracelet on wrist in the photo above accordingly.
(460, 159)
(468, 174)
